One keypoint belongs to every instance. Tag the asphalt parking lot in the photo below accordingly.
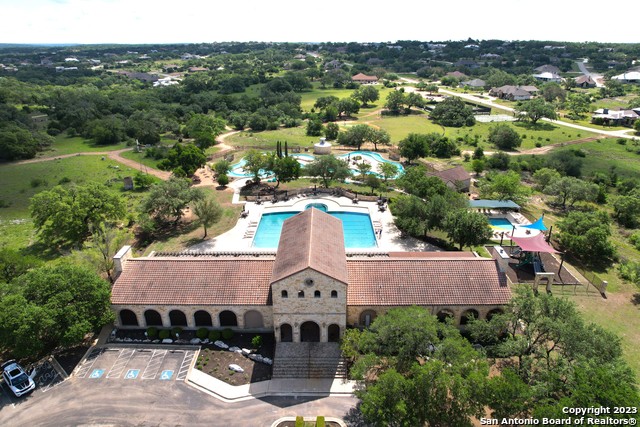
(131, 364)
(46, 378)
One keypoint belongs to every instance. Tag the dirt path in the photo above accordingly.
(545, 149)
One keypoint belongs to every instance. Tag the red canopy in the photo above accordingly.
(536, 243)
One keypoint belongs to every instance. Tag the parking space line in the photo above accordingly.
(186, 364)
(87, 364)
(120, 363)
(154, 364)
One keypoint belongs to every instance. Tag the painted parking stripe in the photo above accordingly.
(132, 374)
(97, 373)
(120, 363)
(154, 364)
(166, 375)
(87, 364)
(186, 364)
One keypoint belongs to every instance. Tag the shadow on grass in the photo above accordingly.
(635, 299)
(540, 126)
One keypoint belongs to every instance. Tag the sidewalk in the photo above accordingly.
(278, 387)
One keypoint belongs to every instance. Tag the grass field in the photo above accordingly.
(295, 137)
(68, 145)
(309, 98)
(17, 187)
(603, 154)
(140, 158)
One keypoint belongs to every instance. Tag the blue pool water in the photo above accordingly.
(501, 223)
(319, 206)
(357, 227)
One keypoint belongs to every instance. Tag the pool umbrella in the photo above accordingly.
(538, 225)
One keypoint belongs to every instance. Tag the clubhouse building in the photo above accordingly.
(310, 290)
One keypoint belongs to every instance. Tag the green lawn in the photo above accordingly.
(602, 154)
(309, 98)
(66, 145)
(295, 137)
(16, 189)
(140, 158)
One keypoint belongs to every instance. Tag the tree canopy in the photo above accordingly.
(453, 112)
(167, 200)
(535, 109)
(504, 137)
(328, 168)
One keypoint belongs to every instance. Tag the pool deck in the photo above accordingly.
(240, 237)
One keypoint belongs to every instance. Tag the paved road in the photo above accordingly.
(598, 78)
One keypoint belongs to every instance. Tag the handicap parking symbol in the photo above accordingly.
(97, 373)
(166, 375)
(132, 374)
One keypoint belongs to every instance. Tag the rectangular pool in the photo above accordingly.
(501, 223)
(357, 228)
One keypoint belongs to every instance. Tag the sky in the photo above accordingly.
(204, 21)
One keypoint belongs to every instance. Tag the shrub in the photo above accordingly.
(256, 341)
(299, 421)
(538, 144)
(176, 331)
(202, 333)
(37, 182)
(320, 421)
(635, 240)
(214, 335)
(64, 180)
(164, 334)
(622, 141)
(223, 180)
(227, 334)
(152, 332)
(630, 271)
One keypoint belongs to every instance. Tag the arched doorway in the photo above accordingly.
(253, 319)
(468, 315)
(309, 332)
(228, 318)
(367, 317)
(286, 332)
(177, 318)
(152, 318)
(128, 318)
(333, 333)
(202, 318)
(493, 312)
(443, 315)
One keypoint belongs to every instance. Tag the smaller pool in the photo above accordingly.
(320, 206)
(501, 223)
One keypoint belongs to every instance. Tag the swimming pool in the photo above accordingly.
(501, 223)
(357, 227)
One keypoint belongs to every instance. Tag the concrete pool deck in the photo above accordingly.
(240, 237)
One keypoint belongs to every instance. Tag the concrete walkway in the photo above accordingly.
(277, 387)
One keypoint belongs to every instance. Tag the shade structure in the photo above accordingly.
(538, 225)
(536, 243)
(493, 204)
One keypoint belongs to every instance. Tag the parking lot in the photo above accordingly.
(135, 364)
(46, 378)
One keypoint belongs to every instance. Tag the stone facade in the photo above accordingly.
(310, 296)
(357, 315)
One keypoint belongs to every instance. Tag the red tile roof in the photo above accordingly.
(397, 281)
(311, 239)
(364, 77)
(202, 281)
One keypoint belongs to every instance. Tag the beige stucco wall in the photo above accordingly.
(213, 310)
(323, 310)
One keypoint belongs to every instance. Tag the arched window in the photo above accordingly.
(228, 318)
(316, 294)
(177, 318)
(366, 317)
(253, 319)
(468, 315)
(443, 315)
(493, 312)
(284, 294)
(300, 294)
(202, 318)
(334, 294)
(152, 318)
(310, 332)
(128, 318)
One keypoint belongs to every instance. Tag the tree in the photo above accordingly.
(222, 167)
(363, 169)
(571, 190)
(534, 110)
(53, 306)
(372, 182)
(478, 166)
(552, 91)
(504, 137)
(16, 143)
(285, 169)
(255, 161)
(14, 264)
(204, 129)
(183, 160)
(414, 146)
(544, 177)
(106, 241)
(347, 107)
(222, 180)
(503, 186)
(106, 131)
(453, 112)
(331, 131)
(208, 211)
(324, 101)
(64, 216)
(366, 94)
(328, 168)
(578, 104)
(379, 136)
(567, 162)
(626, 210)
(395, 102)
(387, 170)
(167, 200)
(355, 136)
(467, 228)
(586, 236)
(314, 127)
(143, 181)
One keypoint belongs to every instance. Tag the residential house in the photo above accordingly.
(548, 76)
(630, 77)
(585, 82)
(547, 69)
(608, 117)
(456, 178)
(475, 83)
(511, 93)
(469, 63)
(457, 74)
